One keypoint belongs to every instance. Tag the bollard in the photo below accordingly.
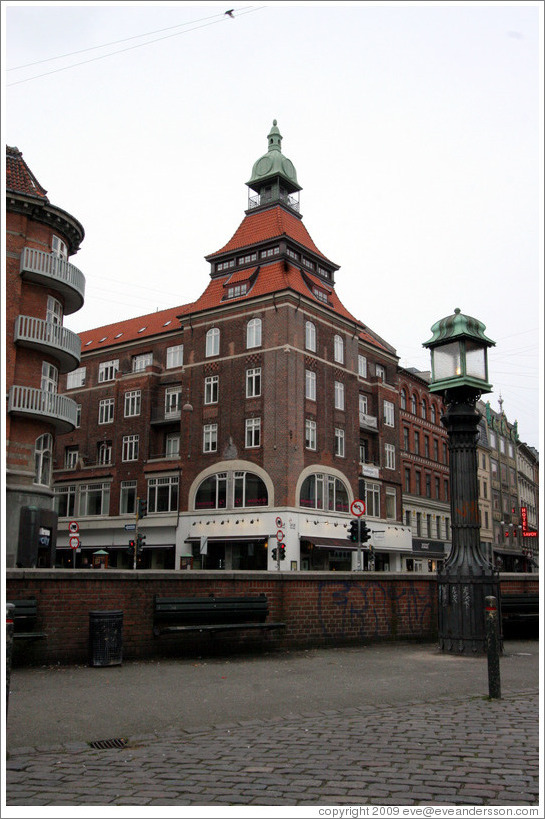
(9, 648)
(493, 647)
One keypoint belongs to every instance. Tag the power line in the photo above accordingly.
(131, 48)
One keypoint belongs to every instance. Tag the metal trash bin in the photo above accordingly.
(105, 638)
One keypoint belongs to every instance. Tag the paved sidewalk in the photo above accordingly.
(459, 750)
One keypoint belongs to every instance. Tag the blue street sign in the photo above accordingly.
(130, 527)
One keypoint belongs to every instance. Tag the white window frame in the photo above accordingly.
(310, 336)
(362, 366)
(310, 434)
(211, 389)
(70, 493)
(140, 362)
(130, 447)
(50, 377)
(43, 459)
(390, 456)
(339, 395)
(173, 402)
(172, 444)
(78, 416)
(372, 499)
(391, 503)
(253, 333)
(54, 312)
(127, 497)
(104, 453)
(59, 247)
(212, 342)
(106, 410)
(339, 442)
(107, 370)
(71, 455)
(175, 357)
(338, 349)
(132, 403)
(84, 496)
(253, 382)
(389, 414)
(310, 385)
(76, 378)
(210, 438)
(253, 433)
(363, 403)
(380, 372)
(156, 497)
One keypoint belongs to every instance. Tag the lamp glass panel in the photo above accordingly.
(476, 360)
(447, 361)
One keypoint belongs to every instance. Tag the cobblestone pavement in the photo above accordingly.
(460, 751)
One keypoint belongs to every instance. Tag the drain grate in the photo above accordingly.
(109, 743)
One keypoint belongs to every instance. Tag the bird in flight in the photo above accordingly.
(230, 12)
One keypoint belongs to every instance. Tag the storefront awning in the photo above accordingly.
(331, 543)
(233, 539)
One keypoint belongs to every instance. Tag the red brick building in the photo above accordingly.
(265, 406)
(425, 471)
(42, 286)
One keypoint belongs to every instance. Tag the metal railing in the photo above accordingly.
(37, 331)
(256, 201)
(53, 267)
(50, 405)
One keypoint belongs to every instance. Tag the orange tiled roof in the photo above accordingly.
(268, 224)
(19, 177)
(153, 324)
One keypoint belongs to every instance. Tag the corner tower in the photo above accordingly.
(274, 178)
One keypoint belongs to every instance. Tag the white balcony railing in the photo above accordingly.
(36, 265)
(59, 340)
(369, 421)
(57, 409)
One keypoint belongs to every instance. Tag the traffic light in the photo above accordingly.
(141, 540)
(132, 544)
(365, 532)
(282, 551)
(142, 508)
(274, 553)
(353, 535)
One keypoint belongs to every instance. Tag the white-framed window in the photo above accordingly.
(389, 418)
(163, 494)
(130, 447)
(71, 457)
(211, 389)
(380, 372)
(310, 385)
(212, 342)
(107, 370)
(253, 333)
(338, 349)
(65, 501)
(372, 499)
(210, 438)
(212, 492)
(253, 382)
(78, 416)
(133, 403)
(502, 445)
(391, 510)
(320, 294)
(104, 453)
(140, 362)
(237, 290)
(253, 432)
(59, 248)
(127, 498)
(424, 409)
(54, 311)
(362, 366)
(76, 378)
(390, 453)
(106, 411)
(271, 251)
(403, 399)
(310, 336)
(175, 356)
(94, 499)
(310, 434)
(493, 439)
(172, 445)
(510, 450)
(173, 402)
(50, 377)
(433, 413)
(339, 442)
(323, 491)
(43, 459)
(339, 395)
(363, 404)
(250, 257)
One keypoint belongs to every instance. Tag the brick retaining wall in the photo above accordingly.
(319, 608)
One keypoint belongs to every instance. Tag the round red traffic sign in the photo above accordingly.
(280, 536)
(74, 542)
(357, 507)
(73, 527)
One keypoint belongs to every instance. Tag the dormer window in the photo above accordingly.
(271, 251)
(308, 263)
(237, 290)
(251, 257)
(321, 295)
(225, 265)
(292, 254)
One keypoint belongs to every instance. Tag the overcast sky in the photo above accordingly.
(415, 130)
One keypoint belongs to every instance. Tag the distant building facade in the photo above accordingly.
(42, 286)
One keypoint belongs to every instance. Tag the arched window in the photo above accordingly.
(433, 413)
(338, 349)
(423, 409)
(232, 490)
(310, 336)
(253, 333)
(413, 404)
(43, 454)
(403, 399)
(212, 493)
(321, 491)
(213, 342)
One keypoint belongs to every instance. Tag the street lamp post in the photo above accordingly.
(459, 366)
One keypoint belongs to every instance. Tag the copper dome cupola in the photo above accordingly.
(274, 178)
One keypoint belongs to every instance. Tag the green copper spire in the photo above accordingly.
(274, 166)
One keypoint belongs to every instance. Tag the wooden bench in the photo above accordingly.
(211, 614)
(520, 607)
(25, 616)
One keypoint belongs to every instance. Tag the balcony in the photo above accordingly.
(368, 421)
(51, 271)
(370, 470)
(48, 406)
(51, 338)
(162, 415)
